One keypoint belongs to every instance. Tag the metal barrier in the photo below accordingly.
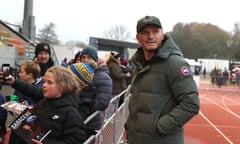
(113, 127)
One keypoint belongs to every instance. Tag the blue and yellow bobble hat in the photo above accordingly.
(83, 72)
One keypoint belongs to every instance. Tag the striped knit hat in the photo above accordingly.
(83, 72)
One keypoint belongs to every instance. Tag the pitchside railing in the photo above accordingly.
(113, 128)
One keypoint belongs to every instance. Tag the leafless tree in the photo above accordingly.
(48, 34)
(118, 32)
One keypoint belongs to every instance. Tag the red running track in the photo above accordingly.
(218, 121)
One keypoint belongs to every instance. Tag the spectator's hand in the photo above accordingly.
(8, 79)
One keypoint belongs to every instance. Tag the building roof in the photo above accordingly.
(16, 34)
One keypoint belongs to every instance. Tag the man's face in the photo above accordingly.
(150, 37)
(86, 58)
(43, 57)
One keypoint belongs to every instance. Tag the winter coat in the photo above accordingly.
(117, 75)
(164, 97)
(32, 92)
(96, 96)
(22, 97)
(126, 69)
(69, 128)
(62, 117)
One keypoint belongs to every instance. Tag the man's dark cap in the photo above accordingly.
(148, 20)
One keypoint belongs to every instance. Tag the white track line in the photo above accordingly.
(224, 107)
(232, 100)
(229, 110)
(214, 126)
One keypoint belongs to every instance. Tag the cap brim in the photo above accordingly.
(150, 23)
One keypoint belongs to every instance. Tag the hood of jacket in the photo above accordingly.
(66, 100)
(102, 66)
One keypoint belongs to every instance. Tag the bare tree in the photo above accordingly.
(118, 32)
(48, 34)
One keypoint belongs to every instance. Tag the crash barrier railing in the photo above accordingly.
(113, 127)
(89, 118)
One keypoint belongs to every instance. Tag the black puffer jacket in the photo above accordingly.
(32, 91)
(68, 127)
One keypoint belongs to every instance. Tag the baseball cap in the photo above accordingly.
(148, 20)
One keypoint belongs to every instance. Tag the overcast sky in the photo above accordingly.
(79, 19)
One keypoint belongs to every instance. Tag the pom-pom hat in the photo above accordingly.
(83, 72)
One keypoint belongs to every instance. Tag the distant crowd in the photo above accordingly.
(225, 77)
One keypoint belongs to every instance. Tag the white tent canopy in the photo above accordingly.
(192, 62)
